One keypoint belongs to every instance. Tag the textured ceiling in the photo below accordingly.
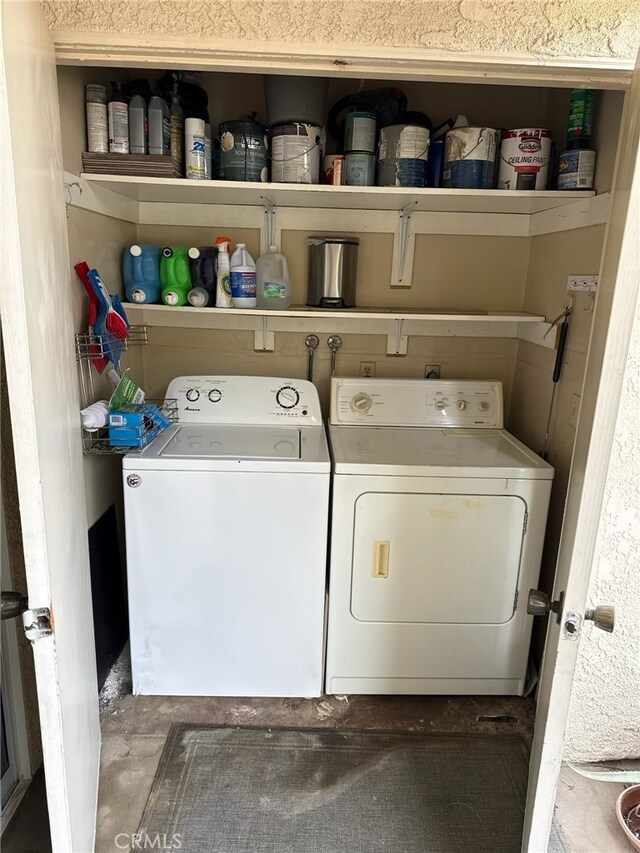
(581, 28)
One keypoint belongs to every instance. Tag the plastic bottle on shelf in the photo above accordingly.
(207, 151)
(175, 275)
(118, 113)
(203, 276)
(243, 278)
(273, 289)
(223, 282)
(159, 125)
(138, 127)
(141, 274)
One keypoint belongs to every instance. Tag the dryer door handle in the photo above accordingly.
(380, 565)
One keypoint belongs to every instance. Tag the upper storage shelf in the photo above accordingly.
(181, 191)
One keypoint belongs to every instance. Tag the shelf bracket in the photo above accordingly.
(397, 342)
(264, 340)
(403, 246)
(270, 233)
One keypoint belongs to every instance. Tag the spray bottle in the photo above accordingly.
(223, 289)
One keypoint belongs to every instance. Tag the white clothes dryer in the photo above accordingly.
(438, 524)
(226, 527)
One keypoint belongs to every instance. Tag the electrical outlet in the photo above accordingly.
(574, 411)
(582, 284)
(367, 368)
(432, 371)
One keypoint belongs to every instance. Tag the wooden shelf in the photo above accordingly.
(395, 324)
(182, 191)
(165, 315)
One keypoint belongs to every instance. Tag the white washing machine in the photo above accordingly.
(438, 523)
(226, 527)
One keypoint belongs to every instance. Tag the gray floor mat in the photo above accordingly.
(228, 790)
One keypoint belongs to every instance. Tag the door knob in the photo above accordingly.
(540, 604)
(13, 604)
(603, 616)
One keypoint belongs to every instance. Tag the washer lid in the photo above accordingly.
(232, 442)
(420, 452)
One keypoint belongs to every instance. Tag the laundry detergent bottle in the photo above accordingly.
(175, 275)
(203, 276)
(243, 278)
(141, 274)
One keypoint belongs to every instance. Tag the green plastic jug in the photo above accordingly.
(175, 275)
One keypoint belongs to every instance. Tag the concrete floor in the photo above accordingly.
(134, 729)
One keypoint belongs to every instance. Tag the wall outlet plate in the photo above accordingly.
(367, 368)
(582, 284)
(432, 371)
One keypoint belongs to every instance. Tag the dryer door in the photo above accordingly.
(436, 558)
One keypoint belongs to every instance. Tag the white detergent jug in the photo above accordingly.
(243, 278)
(273, 289)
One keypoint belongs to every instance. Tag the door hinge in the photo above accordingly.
(525, 523)
(37, 623)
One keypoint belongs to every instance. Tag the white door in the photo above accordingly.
(43, 394)
(618, 291)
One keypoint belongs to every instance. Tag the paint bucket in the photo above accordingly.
(525, 155)
(360, 169)
(360, 132)
(576, 169)
(402, 156)
(242, 151)
(333, 169)
(470, 158)
(295, 153)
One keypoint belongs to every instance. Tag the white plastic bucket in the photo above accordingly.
(524, 159)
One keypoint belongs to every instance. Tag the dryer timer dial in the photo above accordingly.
(361, 403)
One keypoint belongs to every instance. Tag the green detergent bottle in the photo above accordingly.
(175, 275)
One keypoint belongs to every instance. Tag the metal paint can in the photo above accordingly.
(403, 151)
(360, 132)
(360, 169)
(470, 158)
(243, 151)
(295, 153)
(333, 168)
(576, 169)
(525, 156)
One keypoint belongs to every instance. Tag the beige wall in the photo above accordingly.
(598, 28)
(552, 259)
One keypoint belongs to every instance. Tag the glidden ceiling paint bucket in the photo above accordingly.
(295, 153)
(524, 159)
(470, 158)
(402, 156)
(243, 151)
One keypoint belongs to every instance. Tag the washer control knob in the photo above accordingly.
(215, 395)
(287, 397)
(461, 405)
(483, 405)
(440, 405)
(192, 395)
(361, 403)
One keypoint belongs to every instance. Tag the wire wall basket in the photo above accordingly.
(97, 441)
(89, 346)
